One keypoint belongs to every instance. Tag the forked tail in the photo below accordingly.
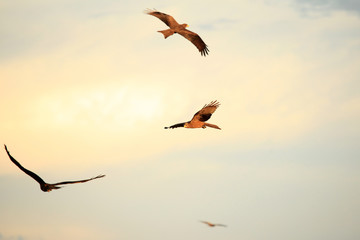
(167, 32)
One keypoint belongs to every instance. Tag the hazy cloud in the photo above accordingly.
(19, 237)
(329, 5)
(219, 23)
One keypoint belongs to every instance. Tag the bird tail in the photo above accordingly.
(212, 125)
(167, 32)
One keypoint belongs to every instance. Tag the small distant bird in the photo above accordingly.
(213, 224)
(200, 118)
(46, 187)
(175, 27)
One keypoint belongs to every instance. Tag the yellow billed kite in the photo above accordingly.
(213, 224)
(46, 187)
(200, 118)
(174, 27)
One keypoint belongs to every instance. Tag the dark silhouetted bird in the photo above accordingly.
(46, 187)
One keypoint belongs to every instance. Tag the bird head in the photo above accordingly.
(185, 25)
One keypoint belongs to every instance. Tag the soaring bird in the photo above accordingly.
(200, 118)
(175, 27)
(46, 187)
(213, 224)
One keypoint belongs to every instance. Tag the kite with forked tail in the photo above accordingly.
(200, 118)
(175, 27)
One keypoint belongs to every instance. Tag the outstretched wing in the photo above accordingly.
(176, 125)
(196, 40)
(221, 225)
(79, 181)
(167, 19)
(205, 113)
(28, 172)
(208, 223)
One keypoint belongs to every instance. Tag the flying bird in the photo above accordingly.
(46, 187)
(175, 27)
(213, 224)
(200, 118)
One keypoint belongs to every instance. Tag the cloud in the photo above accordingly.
(328, 5)
(18, 237)
(219, 24)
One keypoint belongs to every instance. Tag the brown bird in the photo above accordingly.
(175, 27)
(213, 224)
(200, 118)
(46, 187)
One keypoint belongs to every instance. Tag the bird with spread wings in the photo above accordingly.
(213, 224)
(200, 118)
(175, 27)
(46, 187)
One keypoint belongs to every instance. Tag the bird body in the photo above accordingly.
(200, 118)
(46, 187)
(175, 27)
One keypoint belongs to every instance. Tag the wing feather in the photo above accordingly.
(205, 113)
(221, 225)
(176, 125)
(167, 19)
(196, 40)
(28, 172)
(79, 181)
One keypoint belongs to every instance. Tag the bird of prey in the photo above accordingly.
(200, 118)
(213, 224)
(46, 187)
(175, 27)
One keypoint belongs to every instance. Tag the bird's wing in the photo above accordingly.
(208, 223)
(176, 125)
(196, 40)
(221, 225)
(167, 19)
(79, 181)
(28, 172)
(205, 113)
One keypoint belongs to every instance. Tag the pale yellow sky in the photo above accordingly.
(87, 89)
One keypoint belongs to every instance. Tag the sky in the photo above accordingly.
(87, 87)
